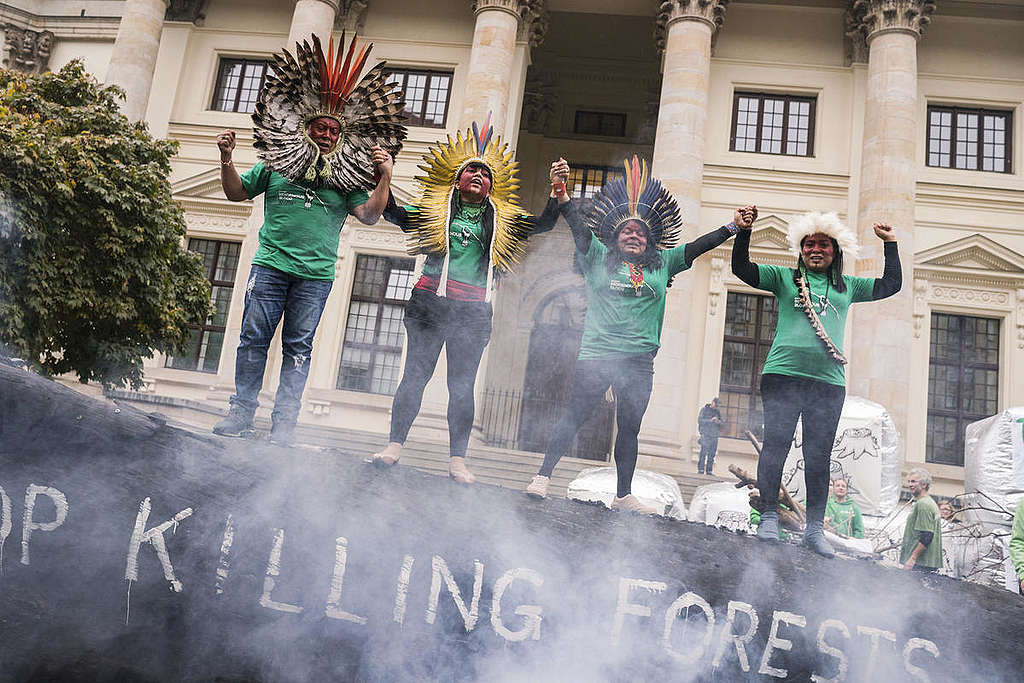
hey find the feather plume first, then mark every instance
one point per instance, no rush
(309, 85)
(638, 197)
(441, 166)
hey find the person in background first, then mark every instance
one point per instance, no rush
(921, 549)
(709, 424)
(842, 515)
(1017, 545)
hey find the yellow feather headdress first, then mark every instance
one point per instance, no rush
(443, 163)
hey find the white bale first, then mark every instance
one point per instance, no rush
(994, 467)
(660, 491)
(721, 505)
(867, 452)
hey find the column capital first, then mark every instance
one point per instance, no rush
(533, 25)
(351, 15)
(187, 10)
(854, 41)
(513, 7)
(531, 14)
(333, 4)
(874, 17)
(710, 12)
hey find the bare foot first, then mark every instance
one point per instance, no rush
(389, 456)
(457, 471)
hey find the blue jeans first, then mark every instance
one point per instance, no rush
(270, 294)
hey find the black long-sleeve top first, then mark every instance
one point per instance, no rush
(885, 286)
(796, 350)
(582, 236)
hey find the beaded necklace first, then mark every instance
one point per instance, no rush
(471, 213)
(636, 276)
(812, 315)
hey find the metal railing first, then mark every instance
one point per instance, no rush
(508, 420)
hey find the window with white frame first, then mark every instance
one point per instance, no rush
(206, 341)
(239, 82)
(749, 330)
(427, 95)
(970, 139)
(371, 354)
(768, 123)
(963, 381)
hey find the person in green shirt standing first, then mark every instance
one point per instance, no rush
(842, 514)
(471, 228)
(627, 248)
(1017, 544)
(803, 376)
(921, 549)
(315, 167)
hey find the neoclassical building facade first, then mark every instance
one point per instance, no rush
(903, 111)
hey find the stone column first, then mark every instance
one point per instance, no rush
(880, 338)
(312, 16)
(133, 59)
(685, 30)
(491, 62)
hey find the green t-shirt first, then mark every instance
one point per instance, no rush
(797, 351)
(466, 248)
(1017, 541)
(844, 517)
(623, 318)
(301, 223)
(924, 517)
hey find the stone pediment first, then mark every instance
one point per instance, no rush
(974, 252)
(205, 185)
(770, 234)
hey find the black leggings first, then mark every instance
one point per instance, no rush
(463, 328)
(631, 379)
(785, 399)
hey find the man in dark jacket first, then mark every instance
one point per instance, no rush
(709, 424)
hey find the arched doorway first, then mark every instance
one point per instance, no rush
(554, 344)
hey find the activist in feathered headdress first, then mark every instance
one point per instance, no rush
(641, 198)
(469, 223)
(310, 86)
(628, 250)
(443, 167)
(803, 376)
(844, 241)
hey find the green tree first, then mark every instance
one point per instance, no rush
(93, 276)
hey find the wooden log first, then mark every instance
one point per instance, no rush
(138, 551)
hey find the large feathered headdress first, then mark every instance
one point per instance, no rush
(443, 163)
(310, 86)
(637, 197)
(829, 224)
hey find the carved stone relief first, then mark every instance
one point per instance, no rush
(872, 16)
(187, 10)
(1020, 318)
(717, 286)
(351, 15)
(27, 51)
(670, 11)
(539, 101)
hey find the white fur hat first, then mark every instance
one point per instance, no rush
(825, 223)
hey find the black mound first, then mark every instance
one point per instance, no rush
(336, 571)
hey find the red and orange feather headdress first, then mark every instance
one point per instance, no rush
(311, 85)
